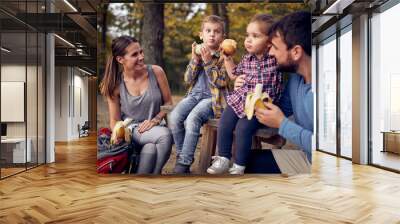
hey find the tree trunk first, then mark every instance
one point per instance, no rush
(221, 11)
(101, 49)
(215, 10)
(153, 33)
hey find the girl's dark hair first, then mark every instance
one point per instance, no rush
(112, 78)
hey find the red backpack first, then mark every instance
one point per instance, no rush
(113, 164)
(111, 158)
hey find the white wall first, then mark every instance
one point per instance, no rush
(50, 99)
(16, 72)
(34, 124)
(61, 103)
(80, 89)
(70, 83)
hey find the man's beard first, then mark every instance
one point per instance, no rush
(290, 66)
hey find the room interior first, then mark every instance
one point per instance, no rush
(48, 173)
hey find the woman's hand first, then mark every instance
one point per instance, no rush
(146, 125)
(239, 82)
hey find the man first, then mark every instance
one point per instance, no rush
(291, 45)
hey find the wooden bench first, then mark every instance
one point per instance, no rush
(209, 137)
(209, 140)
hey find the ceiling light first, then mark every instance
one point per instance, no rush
(84, 71)
(5, 50)
(70, 5)
(65, 41)
(333, 6)
(338, 6)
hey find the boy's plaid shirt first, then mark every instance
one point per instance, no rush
(217, 81)
(256, 71)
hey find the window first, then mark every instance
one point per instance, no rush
(22, 63)
(385, 85)
(346, 92)
(327, 95)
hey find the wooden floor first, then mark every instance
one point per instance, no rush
(70, 191)
(10, 171)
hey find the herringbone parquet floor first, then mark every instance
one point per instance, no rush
(70, 191)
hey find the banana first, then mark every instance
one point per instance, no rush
(128, 132)
(255, 99)
(121, 131)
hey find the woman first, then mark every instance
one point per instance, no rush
(137, 93)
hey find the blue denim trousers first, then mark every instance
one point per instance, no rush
(185, 122)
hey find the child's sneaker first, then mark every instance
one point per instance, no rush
(220, 165)
(237, 169)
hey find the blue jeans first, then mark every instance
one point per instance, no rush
(244, 130)
(185, 122)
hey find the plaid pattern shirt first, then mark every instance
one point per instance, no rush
(256, 71)
(217, 81)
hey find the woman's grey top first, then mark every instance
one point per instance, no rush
(142, 107)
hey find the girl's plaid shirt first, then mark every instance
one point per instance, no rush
(256, 70)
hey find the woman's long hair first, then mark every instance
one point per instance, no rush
(112, 78)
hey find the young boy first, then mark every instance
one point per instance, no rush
(207, 79)
(255, 67)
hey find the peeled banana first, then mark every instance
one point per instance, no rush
(255, 99)
(121, 132)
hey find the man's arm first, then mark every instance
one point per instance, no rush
(273, 117)
(297, 134)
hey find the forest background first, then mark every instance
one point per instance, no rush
(166, 31)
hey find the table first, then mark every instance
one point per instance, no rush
(13, 150)
(391, 141)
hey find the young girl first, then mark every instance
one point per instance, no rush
(257, 66)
